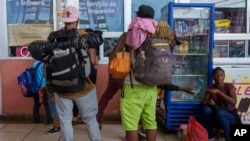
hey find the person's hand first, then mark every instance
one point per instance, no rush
(212, 91)
(211, 102)
(189, 90)
(162, 93)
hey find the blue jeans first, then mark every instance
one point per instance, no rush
(88, 108)
(217, 118)
(52, 108)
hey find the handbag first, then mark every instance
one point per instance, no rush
(119, 66)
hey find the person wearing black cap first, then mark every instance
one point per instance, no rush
(138, 103)
(145, 11)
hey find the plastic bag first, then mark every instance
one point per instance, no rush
(195, 131)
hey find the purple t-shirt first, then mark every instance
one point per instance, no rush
(226, 89)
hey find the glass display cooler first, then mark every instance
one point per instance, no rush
(193, 24)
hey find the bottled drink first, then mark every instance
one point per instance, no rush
(197, 44)
(141, 57)
(191, 45)
(176, 26)
(180, 26)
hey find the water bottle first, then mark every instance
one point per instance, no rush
(191, 45)
(196, 45)
(141, 57)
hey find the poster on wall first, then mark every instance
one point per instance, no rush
(29, 11)
(104, 15)
(160, 7)
(240, 77)
(28, 20)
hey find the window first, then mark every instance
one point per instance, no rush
(230, 15)
(230, 49)
(230, 19)
(231, 30)
(107, 16)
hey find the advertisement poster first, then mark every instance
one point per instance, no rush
(241, 79)
(29, 11)
(28, 20)
(104, 15)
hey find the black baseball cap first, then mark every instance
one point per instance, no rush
(145, 11)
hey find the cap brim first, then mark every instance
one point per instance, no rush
(68, 20)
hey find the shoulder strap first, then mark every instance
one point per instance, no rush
(121, 42)
(119, 46)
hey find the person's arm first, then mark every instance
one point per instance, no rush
(92, 56)
(188, 90)
(227, 98)
(171, 87)
(206, 99)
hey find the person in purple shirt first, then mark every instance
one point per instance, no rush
(219, 105)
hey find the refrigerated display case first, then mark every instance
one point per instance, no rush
(193, 24)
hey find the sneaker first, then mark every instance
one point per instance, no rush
(53, 130)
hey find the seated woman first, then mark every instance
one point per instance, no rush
(219, 105)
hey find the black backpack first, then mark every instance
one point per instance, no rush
(67, 65)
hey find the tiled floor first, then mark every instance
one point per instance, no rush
(36, 132)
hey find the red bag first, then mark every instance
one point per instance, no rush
(195, 131)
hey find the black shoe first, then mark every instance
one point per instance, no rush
(53, 130)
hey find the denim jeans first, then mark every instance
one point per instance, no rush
(217, 118)
(52, 108)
